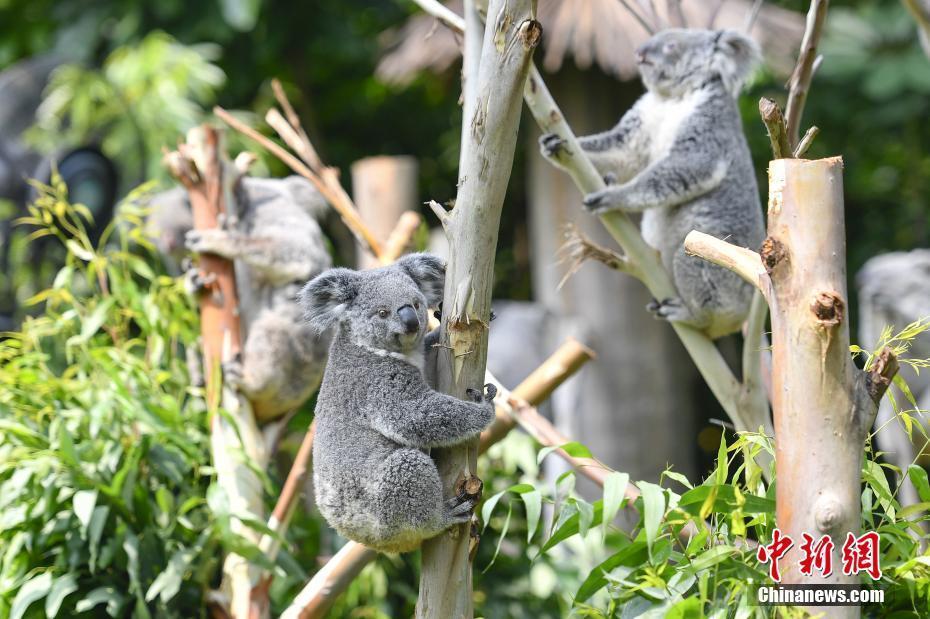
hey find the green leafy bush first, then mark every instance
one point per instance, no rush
(103, 445)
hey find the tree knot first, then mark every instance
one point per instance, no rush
(829, 309)
(772, 252)
(530, 33)
(828, 513)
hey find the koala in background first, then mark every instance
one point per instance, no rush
(680, 158)
(376, 417)
(277, 245)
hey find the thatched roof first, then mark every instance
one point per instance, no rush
(601, 32)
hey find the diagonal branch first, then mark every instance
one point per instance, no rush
(644, 259)
(324, 180)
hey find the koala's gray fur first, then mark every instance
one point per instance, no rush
(894, 291)
(277, 245)
(376, 417)
(679, 156)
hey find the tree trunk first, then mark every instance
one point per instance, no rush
(638, 401)
(823, 406)
(488, 142)
(383, 189)
(821, 418)
(201, 166)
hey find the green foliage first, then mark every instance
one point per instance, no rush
(655, 571)
(141, 99)
(103, 446)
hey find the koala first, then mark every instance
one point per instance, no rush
(376, 416)
(277, 245)
(680, 158)
(894, 291)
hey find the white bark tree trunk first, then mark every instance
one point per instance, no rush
(489, 140)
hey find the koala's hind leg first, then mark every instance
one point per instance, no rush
(711, 298)
(408, 500)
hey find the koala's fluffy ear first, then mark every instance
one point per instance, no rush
(735, 56)
(325, 298)
(429, 273)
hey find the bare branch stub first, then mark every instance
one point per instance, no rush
(774, 122)
(806, 142)
(880, 374)
(773, 253)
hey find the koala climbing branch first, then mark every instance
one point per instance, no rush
(641, 258)
(326, 585)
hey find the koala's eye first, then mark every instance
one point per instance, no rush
(669, 48)
(383, 313)
(416, 304)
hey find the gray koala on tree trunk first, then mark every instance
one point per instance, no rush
(277, 245)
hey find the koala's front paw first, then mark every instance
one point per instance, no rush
(672, 309)
(601, 201)
(550, 145)
(210, 241)
(490, 392)
(196, 282)
(232, 372)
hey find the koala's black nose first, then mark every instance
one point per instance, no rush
(409, 317)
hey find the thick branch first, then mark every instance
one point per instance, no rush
(800, 81)
(200, 165)
(744, 262)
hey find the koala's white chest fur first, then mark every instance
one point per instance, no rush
(663, 118)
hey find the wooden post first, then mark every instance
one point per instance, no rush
(383, 188)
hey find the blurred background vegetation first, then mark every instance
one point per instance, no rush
(134, 75)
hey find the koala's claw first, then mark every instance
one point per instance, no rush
(551, 144)
(196, 281)
(672, 309)
(232, 371)
(598, 201)
(610, 178)
(490, 392)
(438, 312)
